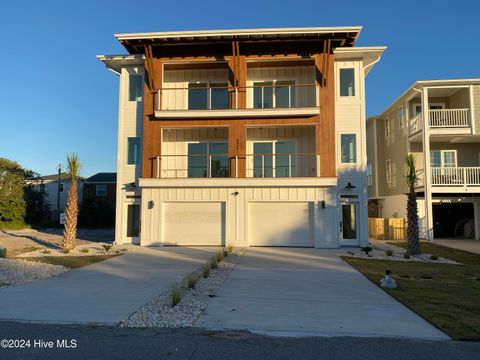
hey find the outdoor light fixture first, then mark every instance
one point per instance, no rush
(350, 186)
(323, 204)
(151, 204)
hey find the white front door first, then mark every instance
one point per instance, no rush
(349, 231)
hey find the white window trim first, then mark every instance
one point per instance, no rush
(356, 148)
(355, 85)
(388, 171)
(442, 162)
(387, 128)
(401, 114)
(127, 148)
(274, 84)
(103, 186)
(134, 72)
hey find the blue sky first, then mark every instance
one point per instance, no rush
(55, 97)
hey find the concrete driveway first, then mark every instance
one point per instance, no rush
(305, 292)
(105, 292)
(469, 245)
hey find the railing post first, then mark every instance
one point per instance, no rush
(289, 165)
(157, 170)
(236, 97)
(318, 165)
(209, 166)
(236, 166)
(263, 165)
(289, 96)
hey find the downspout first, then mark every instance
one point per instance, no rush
(365, 68)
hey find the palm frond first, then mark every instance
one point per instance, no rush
(411, 175)
(73, 166)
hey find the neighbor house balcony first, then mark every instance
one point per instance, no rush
(219, 100)
(442, 121)
(452, 179)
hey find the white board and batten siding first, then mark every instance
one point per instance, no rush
(130, 124)
(239, 216)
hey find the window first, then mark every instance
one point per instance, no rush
(274, 94)
(101, 190)
(198, 96)
(42, 188)
(401, 117)
(263, 95)
(219, 96)
(61, 187)
(347, 82)
(417, 109)
(134, 151)
(135, 87)
(388, 170)
(387, 128)
(369, 175)
(284, 94)
(274, 159)
(349, 148)
(443, 158)
(207, 160)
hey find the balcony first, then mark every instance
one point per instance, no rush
(258, 165)
(449, 118)
(268, 99)
(466, 177)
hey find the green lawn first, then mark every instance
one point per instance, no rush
(72, 262)
(446, 295)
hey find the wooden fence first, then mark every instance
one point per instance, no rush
(387, 229)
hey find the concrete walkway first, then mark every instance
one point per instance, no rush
(472, 246)
(105, 292)
(307, 292)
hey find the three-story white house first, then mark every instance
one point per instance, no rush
(251, 137)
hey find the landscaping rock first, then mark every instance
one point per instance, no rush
(16, 272)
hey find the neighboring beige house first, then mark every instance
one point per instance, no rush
(249, 137)
(449, 131)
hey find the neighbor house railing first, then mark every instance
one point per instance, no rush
(455, 176)
(224, 166)
(415, 124)
(228, 97)
(449, 118)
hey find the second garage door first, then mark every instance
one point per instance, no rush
(280, 224)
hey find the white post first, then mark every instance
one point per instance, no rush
(289, 96)
(209, 166)
(289, 165)
(236, 166)
(318, 165)
(157, 170)
(236, 97)
(263, 165)
(427, 166)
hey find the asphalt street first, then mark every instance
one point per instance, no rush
(102, 342)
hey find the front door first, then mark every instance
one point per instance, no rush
(132, 228)
(349, 232)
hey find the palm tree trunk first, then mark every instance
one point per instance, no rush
(71, 218)
(412, 227)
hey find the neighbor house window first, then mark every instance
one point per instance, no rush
(349, 148)
(388, 170)
(417, 109)
(134, 151)
(369, 175)
(387, 128)
(101, 190)
(135, 87)
(443, 158)
(347, 82)
(401, 117)
(42, 188)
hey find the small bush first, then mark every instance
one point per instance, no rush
(46, 251)
(192, 281)
(434, 257)
(214, 263)
(107, 247)
(406, 255)
(389, 252)
(225, 252)
(220, 256)
(206, 271)
(66, 251)
(176, 295)
(230, 249)
(366, 249)
(85, 251)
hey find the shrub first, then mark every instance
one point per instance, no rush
(66, 251)
(230, 249)
(214, 263)
(225, 252)
(85, 251)
(107, 247)
(220, 256)
(46, 251)
(406, 255)
(206, 271)
(192, 281)
(176, 295)
(389, 252)
(434, 257)
(366, 249)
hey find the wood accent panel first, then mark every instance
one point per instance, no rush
(325, 134)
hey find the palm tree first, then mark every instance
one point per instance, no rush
(411, 177)
(71, 216)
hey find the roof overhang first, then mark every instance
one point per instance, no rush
(116, 62)
(369, 54)
(347, 35)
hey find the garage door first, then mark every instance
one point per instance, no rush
(280, 224)
(194, 223)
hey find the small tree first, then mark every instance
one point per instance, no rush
(12, 205)
(411, 177)
(71, 213)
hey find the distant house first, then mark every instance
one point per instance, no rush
(101, 187)
(56, 188)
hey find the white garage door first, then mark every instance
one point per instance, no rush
(194, 223)
(280, 224)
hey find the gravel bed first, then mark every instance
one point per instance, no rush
(80, 250)
(379, 253)
(17, 272)
(160, 313)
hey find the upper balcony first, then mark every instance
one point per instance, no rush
(449, 113)
(210, 92)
